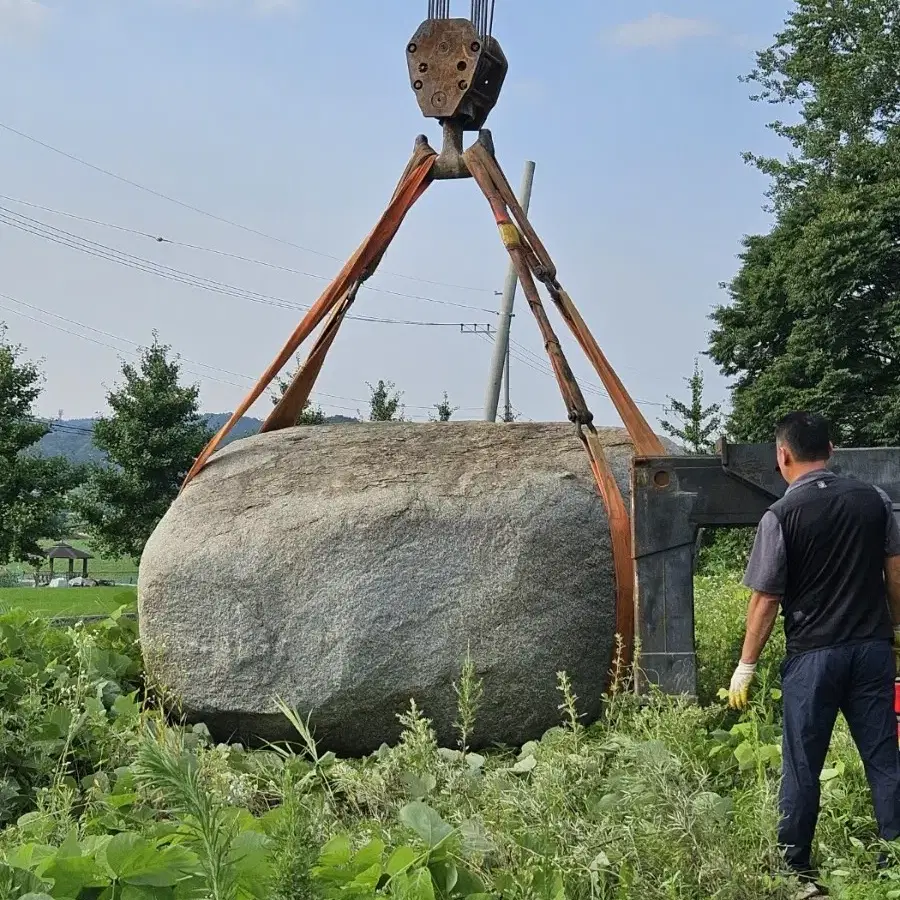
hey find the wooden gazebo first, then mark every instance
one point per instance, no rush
(64, 551)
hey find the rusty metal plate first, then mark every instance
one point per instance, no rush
(443, 58)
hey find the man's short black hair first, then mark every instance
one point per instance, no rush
(806, 435)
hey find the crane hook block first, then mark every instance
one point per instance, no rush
(455, 72)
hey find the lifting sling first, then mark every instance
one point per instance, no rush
(452, 38)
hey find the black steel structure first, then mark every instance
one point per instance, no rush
(675, 496)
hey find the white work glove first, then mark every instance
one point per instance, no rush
(739, 692)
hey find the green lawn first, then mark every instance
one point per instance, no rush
(120, 570)
(66, 601)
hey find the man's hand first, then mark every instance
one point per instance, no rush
(739, 692)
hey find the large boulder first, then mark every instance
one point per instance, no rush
(350, 569)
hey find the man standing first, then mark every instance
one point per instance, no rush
(828, 554)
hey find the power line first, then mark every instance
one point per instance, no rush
(61, 237)
(537, 364)
(159, 239)
(214, 216)
(194, 362)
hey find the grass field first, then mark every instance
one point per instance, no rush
(66, 601)
(120, 570)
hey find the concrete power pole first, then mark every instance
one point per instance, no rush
(500, 359)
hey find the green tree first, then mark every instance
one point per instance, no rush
(32, 489)
(698, 424)
(443, 410)
(309, 415)
(385, 403)
(813, 311)
(151, 439)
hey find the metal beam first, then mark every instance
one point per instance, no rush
(672, 498)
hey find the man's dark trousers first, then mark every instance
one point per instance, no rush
(858, 680)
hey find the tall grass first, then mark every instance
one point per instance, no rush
(661, 799)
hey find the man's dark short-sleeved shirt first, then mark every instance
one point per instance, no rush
(822, 553)
(767, 567)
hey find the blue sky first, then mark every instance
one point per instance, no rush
(296, 118)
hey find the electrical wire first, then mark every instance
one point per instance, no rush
(158, 239)
(216, 218)
(186, 359)
(73, 241)
(536, 363)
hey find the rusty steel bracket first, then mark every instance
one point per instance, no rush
(673, 497)
(455, 72)
(451, 163)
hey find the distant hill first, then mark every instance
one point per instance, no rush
(72, 438)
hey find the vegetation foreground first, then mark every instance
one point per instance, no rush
(63, 602)
(101, 797)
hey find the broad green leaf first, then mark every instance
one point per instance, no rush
(418, 786)
(369, 855)
(415, 885)
(745, 756)
(134, 860)
(474, 838)
(468, 884)
(367, 880)
(524, 766)
(425, 822)
(475, 762)
(32, 896)
(336, 852)
(444, 876)
(71, 874)
(22, 881)
(144, 892)
(70, 846)
(251, 859)
(402, 858)
(27, 856)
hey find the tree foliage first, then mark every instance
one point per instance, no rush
(385, 402)
(310, 414)
(443, 411)
(32, 489)
(151, 438)
(813, 318)
(698, 425)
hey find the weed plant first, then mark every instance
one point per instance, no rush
(662, 799)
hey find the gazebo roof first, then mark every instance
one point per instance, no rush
(64, 551)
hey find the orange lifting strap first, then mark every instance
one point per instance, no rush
(533, 264)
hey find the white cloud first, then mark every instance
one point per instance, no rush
(661, 30)
(21, 18)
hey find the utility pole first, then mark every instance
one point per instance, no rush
(500, 359)
(507, 406)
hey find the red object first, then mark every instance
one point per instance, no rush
(897, 705)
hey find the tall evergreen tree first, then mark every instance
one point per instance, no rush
(32, 489)
(699, 424)
(153, 435)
